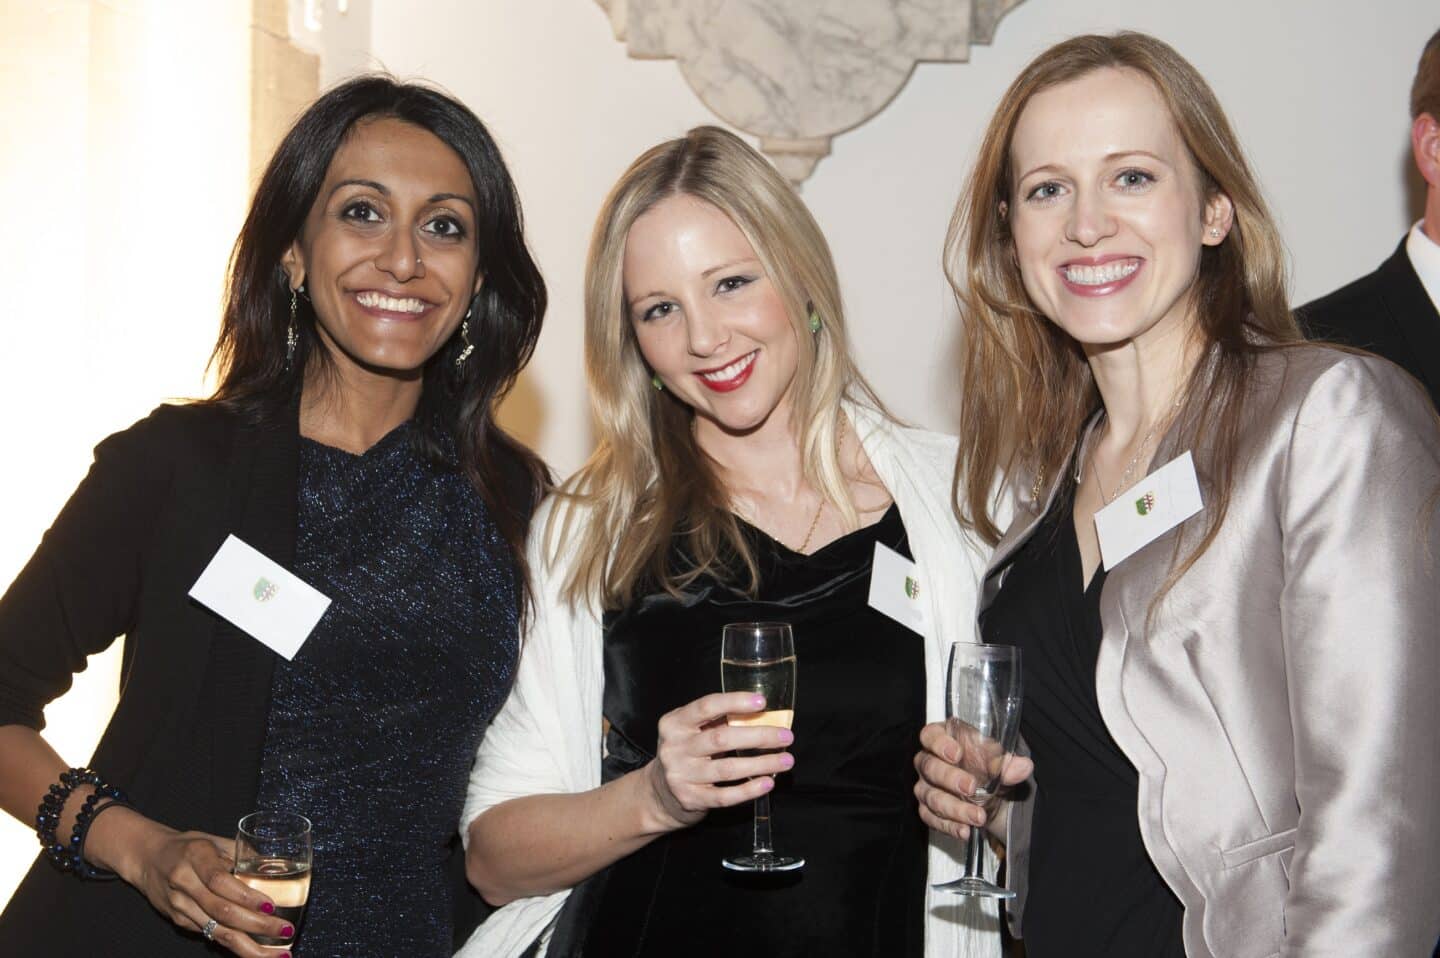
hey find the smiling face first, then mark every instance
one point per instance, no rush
(707, 318)
(1108, 213)
(387, 252)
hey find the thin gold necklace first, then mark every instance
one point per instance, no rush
(1128, 476)
(819, 508)
(813, 523)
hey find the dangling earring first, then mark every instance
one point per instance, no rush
(465, 338)
(291, 338)
(655, 381)
(814, 320)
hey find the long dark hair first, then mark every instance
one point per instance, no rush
(456, 403)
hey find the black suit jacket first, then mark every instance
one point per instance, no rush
(187, 734)
(1388, 313)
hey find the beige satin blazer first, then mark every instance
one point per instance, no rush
(1282, 706)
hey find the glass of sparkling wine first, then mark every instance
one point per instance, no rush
(273, 856)
(982, 713)
(760, 657)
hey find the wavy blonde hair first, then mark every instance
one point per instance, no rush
(648, 482)
(1027, 386)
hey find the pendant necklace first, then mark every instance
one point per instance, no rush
(1128, 476)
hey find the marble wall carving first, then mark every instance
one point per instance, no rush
(797, 72)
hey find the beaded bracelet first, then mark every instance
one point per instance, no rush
(72, 857)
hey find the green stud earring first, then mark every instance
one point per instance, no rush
(655, 381)
(814, 321)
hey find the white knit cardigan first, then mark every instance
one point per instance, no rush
(547, 737)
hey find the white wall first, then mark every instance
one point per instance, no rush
(124, 157)
(1318, 99)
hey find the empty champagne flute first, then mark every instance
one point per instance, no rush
(982, 713)
(760, 657)
(273, 855)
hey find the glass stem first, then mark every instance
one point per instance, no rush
(762, 845)
(975, 854)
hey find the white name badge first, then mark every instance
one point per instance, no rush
(1147, 510)
(260, 597)
(896, 590)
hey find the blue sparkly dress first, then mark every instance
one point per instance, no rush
(373, 726)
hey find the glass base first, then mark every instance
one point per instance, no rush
(975, 887)
(763, 862)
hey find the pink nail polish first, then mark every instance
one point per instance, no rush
(786, 736)
(788, 761)
(267, 908)
(758, 701)
(288, 931)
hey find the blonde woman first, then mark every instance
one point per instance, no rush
(744, 471)
(1257, 678)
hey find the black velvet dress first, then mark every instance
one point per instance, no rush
(1093, 889)
(847, 807)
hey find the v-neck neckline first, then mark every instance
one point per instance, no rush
(838, 541)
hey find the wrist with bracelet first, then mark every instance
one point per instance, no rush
(71, 857)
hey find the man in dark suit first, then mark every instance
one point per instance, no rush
(1395, 311)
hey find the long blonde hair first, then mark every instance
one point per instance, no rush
(648, 482)
(1027, 387)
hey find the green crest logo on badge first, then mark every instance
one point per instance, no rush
(264, 590)
(1145, 504)
(912, 587)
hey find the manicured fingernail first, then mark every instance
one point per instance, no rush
(786, 736)
(267, 908)
(768, 783)
(284, 954)
(758, 701)
(288, 931)
(787, 760)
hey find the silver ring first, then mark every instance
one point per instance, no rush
(209, 930)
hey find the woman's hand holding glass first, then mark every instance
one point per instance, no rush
(946, 789)
(695, 770)
(982, 708)
(186, 876)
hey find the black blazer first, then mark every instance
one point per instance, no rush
(1388, 313)
(186, 737)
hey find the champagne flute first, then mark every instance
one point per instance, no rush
(273, 855)
(982, 713)
(760, 657)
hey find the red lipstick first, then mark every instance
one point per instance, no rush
(735, 381)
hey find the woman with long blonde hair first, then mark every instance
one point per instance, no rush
(1221, 565)
(744, 471)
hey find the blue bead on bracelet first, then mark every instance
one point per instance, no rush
(71, 857)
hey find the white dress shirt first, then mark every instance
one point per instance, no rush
(1424, 255)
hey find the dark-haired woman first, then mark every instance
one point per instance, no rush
(381, 301)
